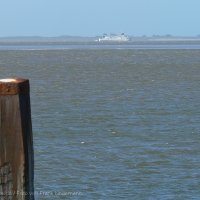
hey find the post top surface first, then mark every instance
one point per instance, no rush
(6, 80)
(12, 80)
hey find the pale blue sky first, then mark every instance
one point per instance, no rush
(95, 17)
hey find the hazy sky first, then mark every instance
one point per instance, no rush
(95, 17)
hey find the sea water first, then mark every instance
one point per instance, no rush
(113, 123)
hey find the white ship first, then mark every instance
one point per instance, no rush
(113, 38)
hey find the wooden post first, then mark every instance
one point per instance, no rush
(16, 144)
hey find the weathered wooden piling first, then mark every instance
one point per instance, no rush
(16, 143)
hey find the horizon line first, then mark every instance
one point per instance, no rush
(60, 36)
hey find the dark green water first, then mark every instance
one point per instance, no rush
(113, 124)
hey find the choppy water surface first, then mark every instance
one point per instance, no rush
(113, 124)
(95, 46)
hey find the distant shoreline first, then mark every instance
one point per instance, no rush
(92, 40)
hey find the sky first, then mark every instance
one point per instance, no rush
(94, 17)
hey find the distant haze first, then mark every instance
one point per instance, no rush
(95, 17)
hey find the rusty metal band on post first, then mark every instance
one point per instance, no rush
(14, 86)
